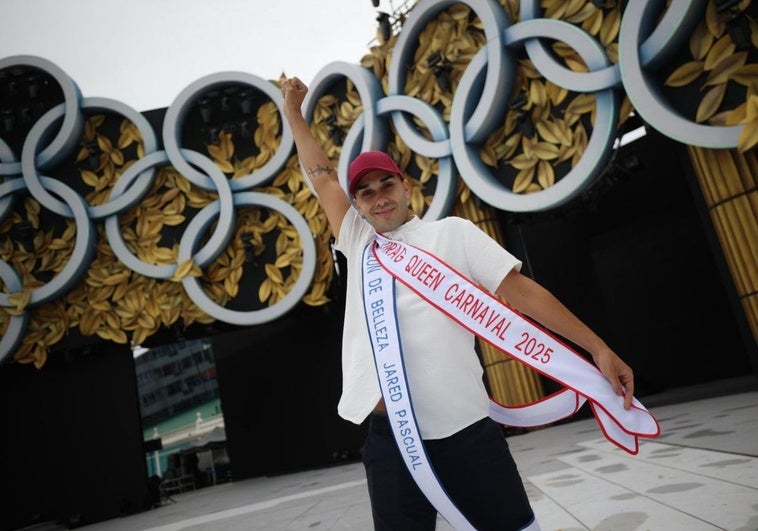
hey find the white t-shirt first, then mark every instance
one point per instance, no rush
(443, 371)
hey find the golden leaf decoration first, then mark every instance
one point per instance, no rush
(594, 23)
(723, 48)
(89, 178)
(587, 11)
(119, 336)
(555, 93)
(748, 137)
(545, 174)
(685, 74)
(226, 144)
(611, 25)
(125, 139)
(537, 93)
(217, 152)
(183, 270)
(465, 194)
(582, 104)
(725, 68)
(488, 156)
(573, 7)
(746, 75)
(523, 180)
(506, 149)
(545, 151)
(117, 278)
(274, 273)
(576, 64)
(715, 23)
(710, 103)
(701, 41)
(231, 287)
(20, 300)
(751, 108)
(555, 9)
(522, 162)
(117, 157)
(104, 144)
(264, 290)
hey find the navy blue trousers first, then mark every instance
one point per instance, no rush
(474, 465)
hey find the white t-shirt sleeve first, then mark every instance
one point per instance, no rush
(487, 260)
(352, 231)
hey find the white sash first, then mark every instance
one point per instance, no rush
(513, 334)
(482, 314)
(379, 305)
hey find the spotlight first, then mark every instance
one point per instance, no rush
(229, 128)
(440, 73)
(204, 104)
(385, 28)
(213, 135)
(375, 3)
(434, 59)
(14, 84)
(226, 99)
(26, 115)
(441, 70)
(524, 121)
(23, 234)
(32, 86)
(517, 102)
(334, 130)
(246, 101)
(738, 28)
(526, 125)
(336, 136)
(93, 159)
(724, 5)
(7, 119)
(179, 328)
(247, 238)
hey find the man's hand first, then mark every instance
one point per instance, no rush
(317, 167)
(533, 300)
(293, 91)
(619, 374)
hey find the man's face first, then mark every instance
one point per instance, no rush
(382, 198)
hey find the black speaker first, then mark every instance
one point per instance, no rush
(152, 445)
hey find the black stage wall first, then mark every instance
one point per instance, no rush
(635, 263)
(280, 383)
(71, 446)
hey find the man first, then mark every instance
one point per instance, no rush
(467, 449)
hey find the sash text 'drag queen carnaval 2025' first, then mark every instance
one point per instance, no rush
(511, 333)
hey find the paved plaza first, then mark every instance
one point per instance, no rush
(701, 474)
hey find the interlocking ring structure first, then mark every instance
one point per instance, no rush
(647, 37)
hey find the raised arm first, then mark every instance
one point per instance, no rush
(319, 169)
(533, 300)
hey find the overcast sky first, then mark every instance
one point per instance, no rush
(144, 52)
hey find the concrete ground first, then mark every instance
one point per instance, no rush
(701, 474)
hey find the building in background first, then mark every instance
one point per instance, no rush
(180, 408)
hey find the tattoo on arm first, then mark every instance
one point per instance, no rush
(313, 172)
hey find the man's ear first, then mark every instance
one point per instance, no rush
(407, 186)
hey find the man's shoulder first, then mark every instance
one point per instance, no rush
(450, 222)
(447, 220)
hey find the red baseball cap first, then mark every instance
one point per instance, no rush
(366, 162)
